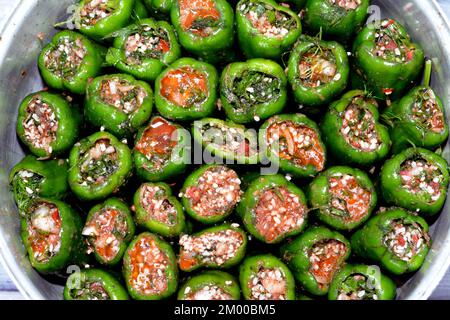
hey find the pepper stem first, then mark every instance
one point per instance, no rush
(427, 73)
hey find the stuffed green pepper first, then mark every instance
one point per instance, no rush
(210, 285)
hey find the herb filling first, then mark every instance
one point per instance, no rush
(146, 43)
(199, 17)
(122, 95)
(154, 201)
(208, 292)
(90, 290)
(99, 163)
(318, 67)
(94, 11)
(65, 58)
(357, 287)
(26, 186)
(390, 45)
(427, 113)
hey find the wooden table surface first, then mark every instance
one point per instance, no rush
(8, 290)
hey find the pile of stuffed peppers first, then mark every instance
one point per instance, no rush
(226, 150)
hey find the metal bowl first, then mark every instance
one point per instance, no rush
(19, 76)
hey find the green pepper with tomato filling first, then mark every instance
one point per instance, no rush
(69, 61)
(94, 284)
(272, 209)
(205, 28)
(266, 29)
(318, 71)
(98, 166)
(315, 257)
(135, 50)
(265, 277)
(186, 90)
(342, 197)
(396, 239)
(157, 210)
(160, 151)
(352, 132)
(293, 142)
(47, 124)
(386, 59)
(253, 90)
(108, 229)
(119, 103)
(415, 179)
(210, 285)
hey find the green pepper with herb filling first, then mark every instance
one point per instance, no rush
(210, 285)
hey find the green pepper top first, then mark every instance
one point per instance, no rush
(272, 208)
(386, 58)
(159, 8)
(94, 284)
(69, 60)
(119, 103)
(315, 257)
(210, 285)
(266, 29)
(99, 165)
(416, 179)
(352, 131)
(265, 277)
(396, 239)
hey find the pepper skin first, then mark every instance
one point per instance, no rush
(225, 282)
(205, 28)
(99, 218)
(186, 90)
(386, 73)
(418, 119)
(376, 286)
(121, 119)
(286, 28)
(149, 64)
(318, 71)
(140, 11)
(335, 21)
(160, 198)
(226, 140)
(398, 183)
(94, 284)
(159, 152)
(251, 266)
(356, 192)
(74, 77)
(370, 241)
(360, 151)
(63, 116)
(261, 192)
(159, 8)
(297, 256)
(111, 169)
(253, 90)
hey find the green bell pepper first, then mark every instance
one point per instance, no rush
(135, 52)
(253, 90)
(272, 209)
(338, 20)
(266, 29)
(386, 59)
(293, 141)
(119, 103)
(32, 178)
(99, 165)
(415, 179)
(149, 268)
(100, 18)
(187, 90)
(210, 193)
(210, 285)
(396, 239)
(361, 282)
(47, 124)
(94, 284)
(318, 71)
(159, 152)
(108, 229)
(159, 8)
(342, 197)
(265, 277)
(219, 247)
(205, 28)
(69, 60)
(352, 132)
(140, 11)
(315, 257)
(157, 210)
(51, 233)
(226, 140)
